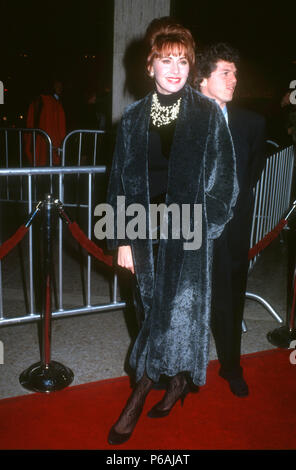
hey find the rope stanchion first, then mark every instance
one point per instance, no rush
(9, 244)
(283, 336)
(46, 375)
(82, 239)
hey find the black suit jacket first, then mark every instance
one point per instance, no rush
(248, 133)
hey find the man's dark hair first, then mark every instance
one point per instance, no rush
(206, 60)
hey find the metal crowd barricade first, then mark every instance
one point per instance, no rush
(12, 151)
(272, 201)
(83, 147)
(272, 194)
(60, 173)
(80, 147)
(13, 155)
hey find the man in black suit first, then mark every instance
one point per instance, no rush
(217, 69)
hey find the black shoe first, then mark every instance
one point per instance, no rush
(238, 386)
(115, 438)
(131, 412)
(157, 412)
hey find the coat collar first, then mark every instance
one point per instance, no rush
(186, 143)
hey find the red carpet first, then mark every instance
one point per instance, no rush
(79, 417)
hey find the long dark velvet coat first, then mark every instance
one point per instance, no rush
(175, 333)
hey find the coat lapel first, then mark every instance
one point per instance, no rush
(135, 172)
(135, 182)
(186, 154)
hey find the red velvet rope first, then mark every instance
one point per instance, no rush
(89, 245)
(93, 249)
(96, 251)
(7, 246)
(267, 239)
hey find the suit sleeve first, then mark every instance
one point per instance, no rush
(221, 186)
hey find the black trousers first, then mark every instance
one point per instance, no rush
(229, 281)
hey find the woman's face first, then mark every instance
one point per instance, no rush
(170, 73)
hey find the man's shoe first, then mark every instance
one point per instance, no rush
(238, 386)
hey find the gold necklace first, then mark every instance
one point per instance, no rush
(163, 115)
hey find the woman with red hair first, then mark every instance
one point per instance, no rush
(173, 147)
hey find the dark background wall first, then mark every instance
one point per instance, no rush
(74, 41)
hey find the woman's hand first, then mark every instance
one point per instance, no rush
(125, 258)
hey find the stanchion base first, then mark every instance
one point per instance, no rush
(281, 337)
(51, 378)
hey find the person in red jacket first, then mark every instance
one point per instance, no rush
(46, 113)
